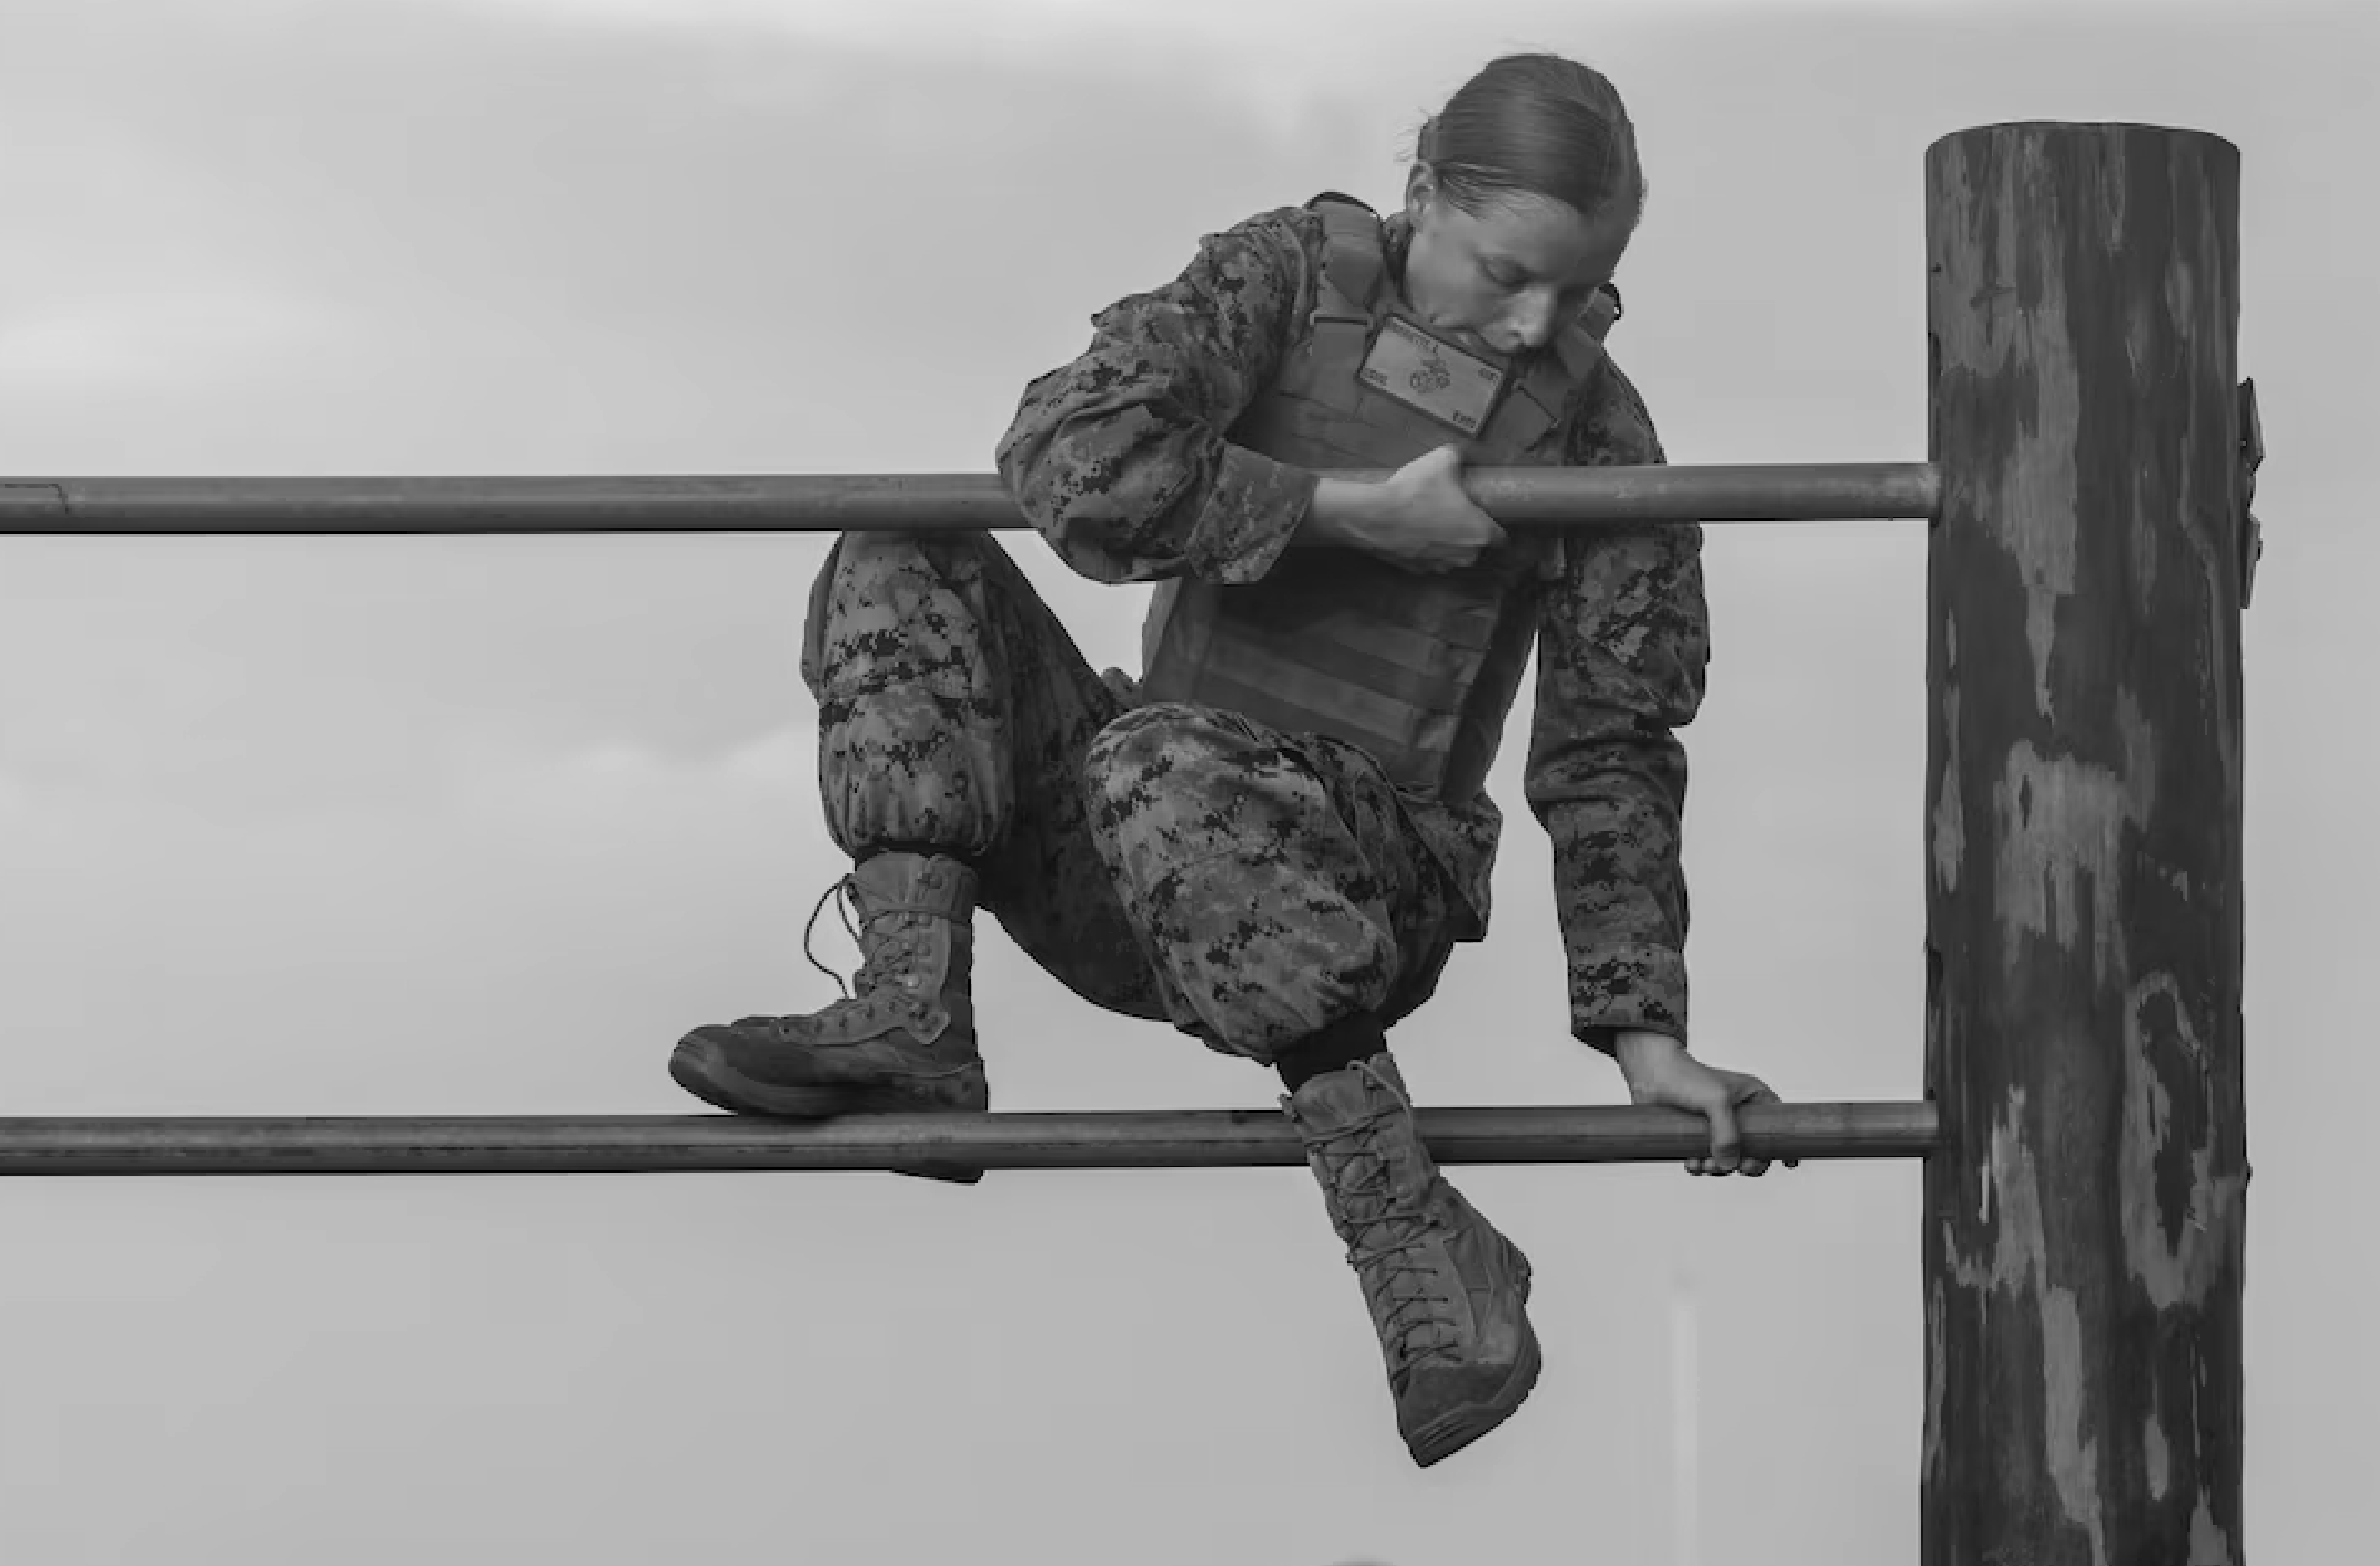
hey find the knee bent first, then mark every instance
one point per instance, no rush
(1148, 742)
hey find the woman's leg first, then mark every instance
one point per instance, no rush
(1291, 912)
(1275, 879)
(953, 712)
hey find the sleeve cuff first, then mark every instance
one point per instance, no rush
(1636, 987)
(1253, 510)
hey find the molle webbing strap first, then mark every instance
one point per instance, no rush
(1353, 262)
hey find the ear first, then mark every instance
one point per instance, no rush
(1421, 189)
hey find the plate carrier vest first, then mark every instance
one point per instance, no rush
(1419, 670)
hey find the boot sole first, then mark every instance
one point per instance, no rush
(701, 1073)
(1458, 1427)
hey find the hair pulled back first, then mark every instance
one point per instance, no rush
(1535, 125)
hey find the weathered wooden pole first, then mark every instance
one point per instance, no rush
(2084, 1216)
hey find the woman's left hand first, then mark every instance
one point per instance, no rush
(1659, 1071)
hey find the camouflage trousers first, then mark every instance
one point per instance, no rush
(1165, 861)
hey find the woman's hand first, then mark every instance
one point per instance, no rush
(1660, 1072)
(1419, 518)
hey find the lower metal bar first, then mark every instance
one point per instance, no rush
(890, 501)
(1162, 1139)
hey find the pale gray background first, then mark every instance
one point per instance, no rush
(412, 827)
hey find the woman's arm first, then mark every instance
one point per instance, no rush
(1620, 666)
(1121, 459)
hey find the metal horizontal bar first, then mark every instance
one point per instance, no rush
(888, 502)
(1165, 1139)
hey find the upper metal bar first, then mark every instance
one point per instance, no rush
(889, 502)
(1191, 1139)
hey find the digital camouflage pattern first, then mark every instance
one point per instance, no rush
(955, 713)
(1122, 460)
(1163, 861)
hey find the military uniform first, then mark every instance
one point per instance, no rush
(1168, 853)
(955, 711)
(1163, 861)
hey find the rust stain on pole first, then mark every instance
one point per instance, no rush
(2085, 1217)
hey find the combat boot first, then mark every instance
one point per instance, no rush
(904, 1040)
(1446, 1292)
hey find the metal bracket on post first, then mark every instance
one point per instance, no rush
(2251, 457)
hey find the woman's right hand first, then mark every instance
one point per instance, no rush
(1419, 518)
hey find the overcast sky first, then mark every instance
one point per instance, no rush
(425, 826)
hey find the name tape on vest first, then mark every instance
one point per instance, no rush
(1436, 378)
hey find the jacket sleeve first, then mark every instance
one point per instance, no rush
(1621, 665)
(1119, 458)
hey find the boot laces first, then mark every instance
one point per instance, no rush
(1384, 1244)
(844, 893)
(876, 961)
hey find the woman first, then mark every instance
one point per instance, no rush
(1274, 840)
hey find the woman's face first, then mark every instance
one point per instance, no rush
(1514, 275)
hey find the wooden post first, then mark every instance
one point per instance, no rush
(2085, 1218)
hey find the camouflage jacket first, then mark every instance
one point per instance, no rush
(1122, 461)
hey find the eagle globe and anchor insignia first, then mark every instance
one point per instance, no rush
(1431, 375)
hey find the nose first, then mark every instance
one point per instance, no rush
(1529, 324)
